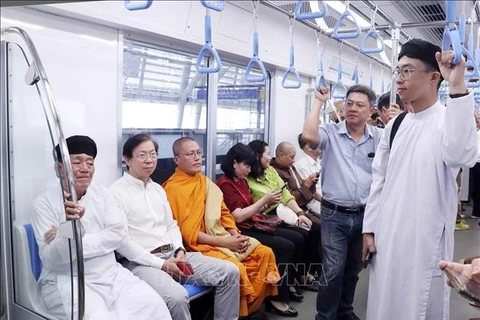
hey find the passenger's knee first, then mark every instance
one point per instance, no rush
(288, 247)
(231, 273)
(176, 296)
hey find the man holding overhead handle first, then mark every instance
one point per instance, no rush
(348, 150)
(410, 216)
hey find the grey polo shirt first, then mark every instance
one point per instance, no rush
(346, 165)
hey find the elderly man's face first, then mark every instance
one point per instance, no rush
(83, 168)
(287, 158)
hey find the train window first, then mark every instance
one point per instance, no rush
(241, 109)
(164, 96)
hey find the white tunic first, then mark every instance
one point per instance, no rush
(150, 220)
(412, 208)
(111, 291)
(305, 167)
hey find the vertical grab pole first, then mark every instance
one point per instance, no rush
(395, 42)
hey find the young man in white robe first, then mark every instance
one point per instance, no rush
(410, 215)
(111, 291)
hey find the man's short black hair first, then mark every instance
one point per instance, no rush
(301, 141)
(384, 101)
(360, 88)
(134, 142)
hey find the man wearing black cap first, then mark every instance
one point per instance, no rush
(410, 215)
(111, 291)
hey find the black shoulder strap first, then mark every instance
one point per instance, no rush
(396, 125)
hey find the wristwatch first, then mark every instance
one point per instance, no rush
(458, 95)
(178, 250)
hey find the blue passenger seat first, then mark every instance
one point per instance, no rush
(194, 291)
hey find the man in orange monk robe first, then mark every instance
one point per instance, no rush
(208, 227)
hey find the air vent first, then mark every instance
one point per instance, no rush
(424, 11)
(433, 12)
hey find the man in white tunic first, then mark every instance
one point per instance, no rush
(410, 215)
(307, 165)
(154, 246)
(111, 291)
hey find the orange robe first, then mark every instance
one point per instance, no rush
(187, 196)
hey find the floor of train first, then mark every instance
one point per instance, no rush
(466, 245)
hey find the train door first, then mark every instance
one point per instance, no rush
(29, 128)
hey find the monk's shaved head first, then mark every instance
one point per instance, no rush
(177, 145)
(283, 147)
(339, 105)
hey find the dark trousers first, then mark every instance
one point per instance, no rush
(310, 257)
(475, 176)
(285, 245)
(342, 242)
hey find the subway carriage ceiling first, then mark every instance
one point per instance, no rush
(145, 69)
(389, 12)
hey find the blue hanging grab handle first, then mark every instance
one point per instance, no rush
(339, 84)
(320, 81)
(451, 35)
(323, 9)
(472, 59)
(380, 44)
(476, 95)
(477, 57)
(461, 27)
(346, 35)
(471, 48)
(214, 5)
(138, 5)
(207, 47)
(355, 75)
(372, 32)
(291, 69)
(470, 63)
(253, 61)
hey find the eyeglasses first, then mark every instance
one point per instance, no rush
(144, 156)
(192, 154)
(406, 74)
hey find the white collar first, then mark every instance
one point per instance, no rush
(135, 181)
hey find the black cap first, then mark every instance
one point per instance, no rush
(421, 50)
(79, 145)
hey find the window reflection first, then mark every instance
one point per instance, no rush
(163, 95)
(160, 97)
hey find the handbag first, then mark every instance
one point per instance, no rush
(272, 221)
(263, 223)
